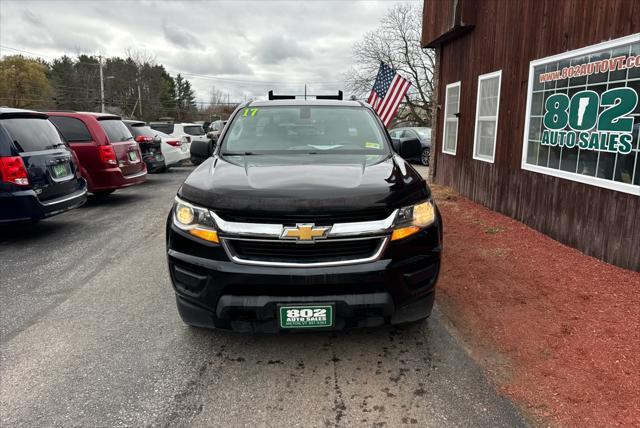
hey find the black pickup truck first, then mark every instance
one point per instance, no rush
(304, 218)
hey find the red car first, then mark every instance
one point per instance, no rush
(109, 157)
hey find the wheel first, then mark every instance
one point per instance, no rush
(424, 157)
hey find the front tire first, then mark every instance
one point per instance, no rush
(424, 157)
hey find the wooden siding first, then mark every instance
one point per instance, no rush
(437, 19)
(441, 17)
(507, 36)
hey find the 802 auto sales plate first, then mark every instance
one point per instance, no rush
(306, 316)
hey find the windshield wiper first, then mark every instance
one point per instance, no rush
(240, 154)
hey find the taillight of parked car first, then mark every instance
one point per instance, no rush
(12, 170)
(107, 155)
(143, 139)
(174, 143)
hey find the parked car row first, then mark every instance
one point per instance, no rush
(49, 161)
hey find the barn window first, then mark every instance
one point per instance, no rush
(451, 110)
(484, 144)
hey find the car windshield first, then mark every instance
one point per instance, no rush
(304, 129)
(116, 130)
(32, 134)
(193, 130)
(424, 132)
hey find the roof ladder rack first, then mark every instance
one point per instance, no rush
(280, 97)
(330, 97)
(272, 96)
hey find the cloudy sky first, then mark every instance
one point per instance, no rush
(240, 47)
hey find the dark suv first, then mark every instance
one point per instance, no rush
(305, 217)
(39, 174)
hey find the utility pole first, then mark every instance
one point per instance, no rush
(140, 99)
(305, 91)
(101, 86)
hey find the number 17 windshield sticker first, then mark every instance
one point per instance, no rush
(249, 112)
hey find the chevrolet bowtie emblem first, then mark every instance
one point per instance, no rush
(305, 232)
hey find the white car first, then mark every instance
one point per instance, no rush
(174, 149)
(191, 131)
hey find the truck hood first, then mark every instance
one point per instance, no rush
(304, 184)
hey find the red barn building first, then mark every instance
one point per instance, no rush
(538, 112)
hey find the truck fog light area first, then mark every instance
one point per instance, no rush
(206, 234)
(404, 232)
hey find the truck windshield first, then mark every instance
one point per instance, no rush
(304, 129)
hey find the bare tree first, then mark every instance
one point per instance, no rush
(140, 57)
(216, 96)
(396, 42)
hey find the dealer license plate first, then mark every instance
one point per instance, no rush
(306, 316)
(60, 170)
(133, 156)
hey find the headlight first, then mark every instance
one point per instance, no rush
(411, 220)
(195, 220)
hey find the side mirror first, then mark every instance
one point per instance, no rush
(201, 149)
(410, 148)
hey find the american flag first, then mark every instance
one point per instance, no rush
(387, 92)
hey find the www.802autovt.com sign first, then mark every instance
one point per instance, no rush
(583, 115)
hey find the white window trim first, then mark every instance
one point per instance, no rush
(480, 118)
(633, 189)
(444, 122)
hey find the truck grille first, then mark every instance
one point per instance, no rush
(318, 219)
(324, 251)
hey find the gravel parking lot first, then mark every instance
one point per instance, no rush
(90, 336)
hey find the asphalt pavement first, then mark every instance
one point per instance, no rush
(90, 336)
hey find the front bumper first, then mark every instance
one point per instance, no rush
(24, 205)
(212, 291)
